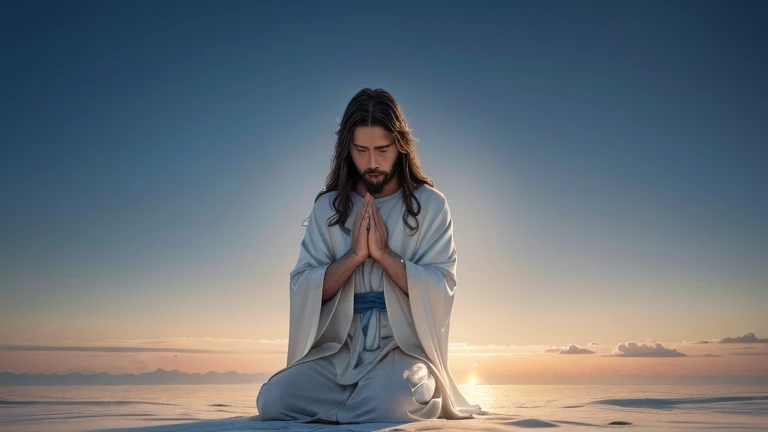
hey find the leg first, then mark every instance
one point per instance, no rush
(301, 392)
(384, 396)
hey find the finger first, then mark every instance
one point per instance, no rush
(366, 225)
(380, 220)
(360, 213)
(374, 225)
(378, 215)
(360, 219)
(369, 222)
(374, 211)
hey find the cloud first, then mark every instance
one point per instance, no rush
(553, 350)
(745, 338)
(749, 353)
(632, 349)
(574, 349)
(592, 343)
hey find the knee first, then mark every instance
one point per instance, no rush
(390, 409)
(387, 399)
(269, 402)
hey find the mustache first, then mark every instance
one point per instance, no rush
(374, 172)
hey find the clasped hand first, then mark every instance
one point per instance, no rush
(370, 237)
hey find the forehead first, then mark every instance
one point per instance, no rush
(371, 136)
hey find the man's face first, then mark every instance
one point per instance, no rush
(374, 153)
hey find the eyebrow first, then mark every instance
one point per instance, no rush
(375, 148)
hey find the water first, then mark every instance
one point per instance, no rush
(228, 407)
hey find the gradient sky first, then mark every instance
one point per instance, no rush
(605, 163)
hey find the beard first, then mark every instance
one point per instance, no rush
(375, 187)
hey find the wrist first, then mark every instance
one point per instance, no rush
(356, 259)
(378, 256)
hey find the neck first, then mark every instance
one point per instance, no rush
(391, 188)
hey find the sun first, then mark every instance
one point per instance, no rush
(473, 382)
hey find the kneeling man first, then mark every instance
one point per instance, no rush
(372, 291)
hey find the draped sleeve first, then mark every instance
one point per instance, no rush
(431, 275)
(308, 316)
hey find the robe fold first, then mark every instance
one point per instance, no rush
(418, 323)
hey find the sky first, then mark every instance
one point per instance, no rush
(604, 164)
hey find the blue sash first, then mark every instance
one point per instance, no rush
(366, 303)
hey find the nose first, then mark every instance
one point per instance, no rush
(372, 161)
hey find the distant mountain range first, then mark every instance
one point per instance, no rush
(158, 377)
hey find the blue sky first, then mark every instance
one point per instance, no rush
(604, 162)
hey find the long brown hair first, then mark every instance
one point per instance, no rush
(374, 108)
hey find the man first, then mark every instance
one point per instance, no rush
(372, 291)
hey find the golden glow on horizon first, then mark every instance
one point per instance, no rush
(473, 367)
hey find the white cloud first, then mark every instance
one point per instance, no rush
(631, 349)
(574, 349)
(745, 338)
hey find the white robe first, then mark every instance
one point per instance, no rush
(419, 322)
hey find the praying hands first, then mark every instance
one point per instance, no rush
(377, 231)
(369, 233)
(370, 239)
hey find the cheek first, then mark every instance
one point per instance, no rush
(356, 159)
(391, 159)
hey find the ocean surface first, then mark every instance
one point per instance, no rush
(208, 408)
